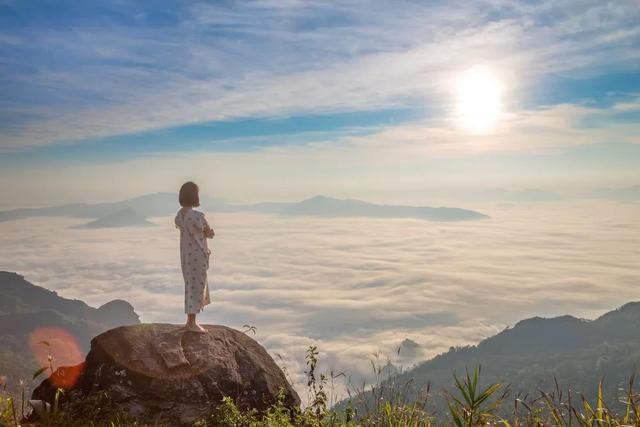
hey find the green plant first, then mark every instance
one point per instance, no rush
(473, 407)
(227, 414)
(396, 405)
(317, 395)
(49, 365)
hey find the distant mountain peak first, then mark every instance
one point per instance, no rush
(136, 211)
(627, 313)
(117, 310)
(9, 274)
(630, 306)
(537, 321)
(319, 197)
(115, 303)
(126, 217)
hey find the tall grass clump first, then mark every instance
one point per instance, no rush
(385, 403)
(471, 405)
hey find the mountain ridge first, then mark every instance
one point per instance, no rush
(535, 352)
(136, 211)
(30, 314)
(126, 217)
(38, 298)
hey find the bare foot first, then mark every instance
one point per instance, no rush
(195, 328)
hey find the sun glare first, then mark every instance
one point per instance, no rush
(55, 347)
(478, 93)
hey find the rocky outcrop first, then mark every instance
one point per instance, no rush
(157, 373)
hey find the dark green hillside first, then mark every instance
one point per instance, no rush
(25, 308)
(527, 357)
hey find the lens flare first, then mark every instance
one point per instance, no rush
(56, 347)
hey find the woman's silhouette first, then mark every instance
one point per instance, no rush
(194, 254)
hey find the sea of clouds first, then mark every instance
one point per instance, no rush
(355, 287)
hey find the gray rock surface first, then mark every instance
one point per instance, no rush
(158, 373)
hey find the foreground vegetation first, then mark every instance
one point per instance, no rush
(384, 404)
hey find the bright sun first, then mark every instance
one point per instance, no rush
(479, 104)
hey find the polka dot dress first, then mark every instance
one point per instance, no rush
(194, 257)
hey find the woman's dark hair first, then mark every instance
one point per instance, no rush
(189, 195)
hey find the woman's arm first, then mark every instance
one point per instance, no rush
(208, 231)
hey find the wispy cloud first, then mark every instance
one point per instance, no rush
(264, 59)
(562, 148)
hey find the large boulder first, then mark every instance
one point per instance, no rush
(157, 373)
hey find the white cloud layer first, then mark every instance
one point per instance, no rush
(353, 286)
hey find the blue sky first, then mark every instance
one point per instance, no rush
(277, 99)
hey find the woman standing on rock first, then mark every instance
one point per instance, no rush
(194, 254)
